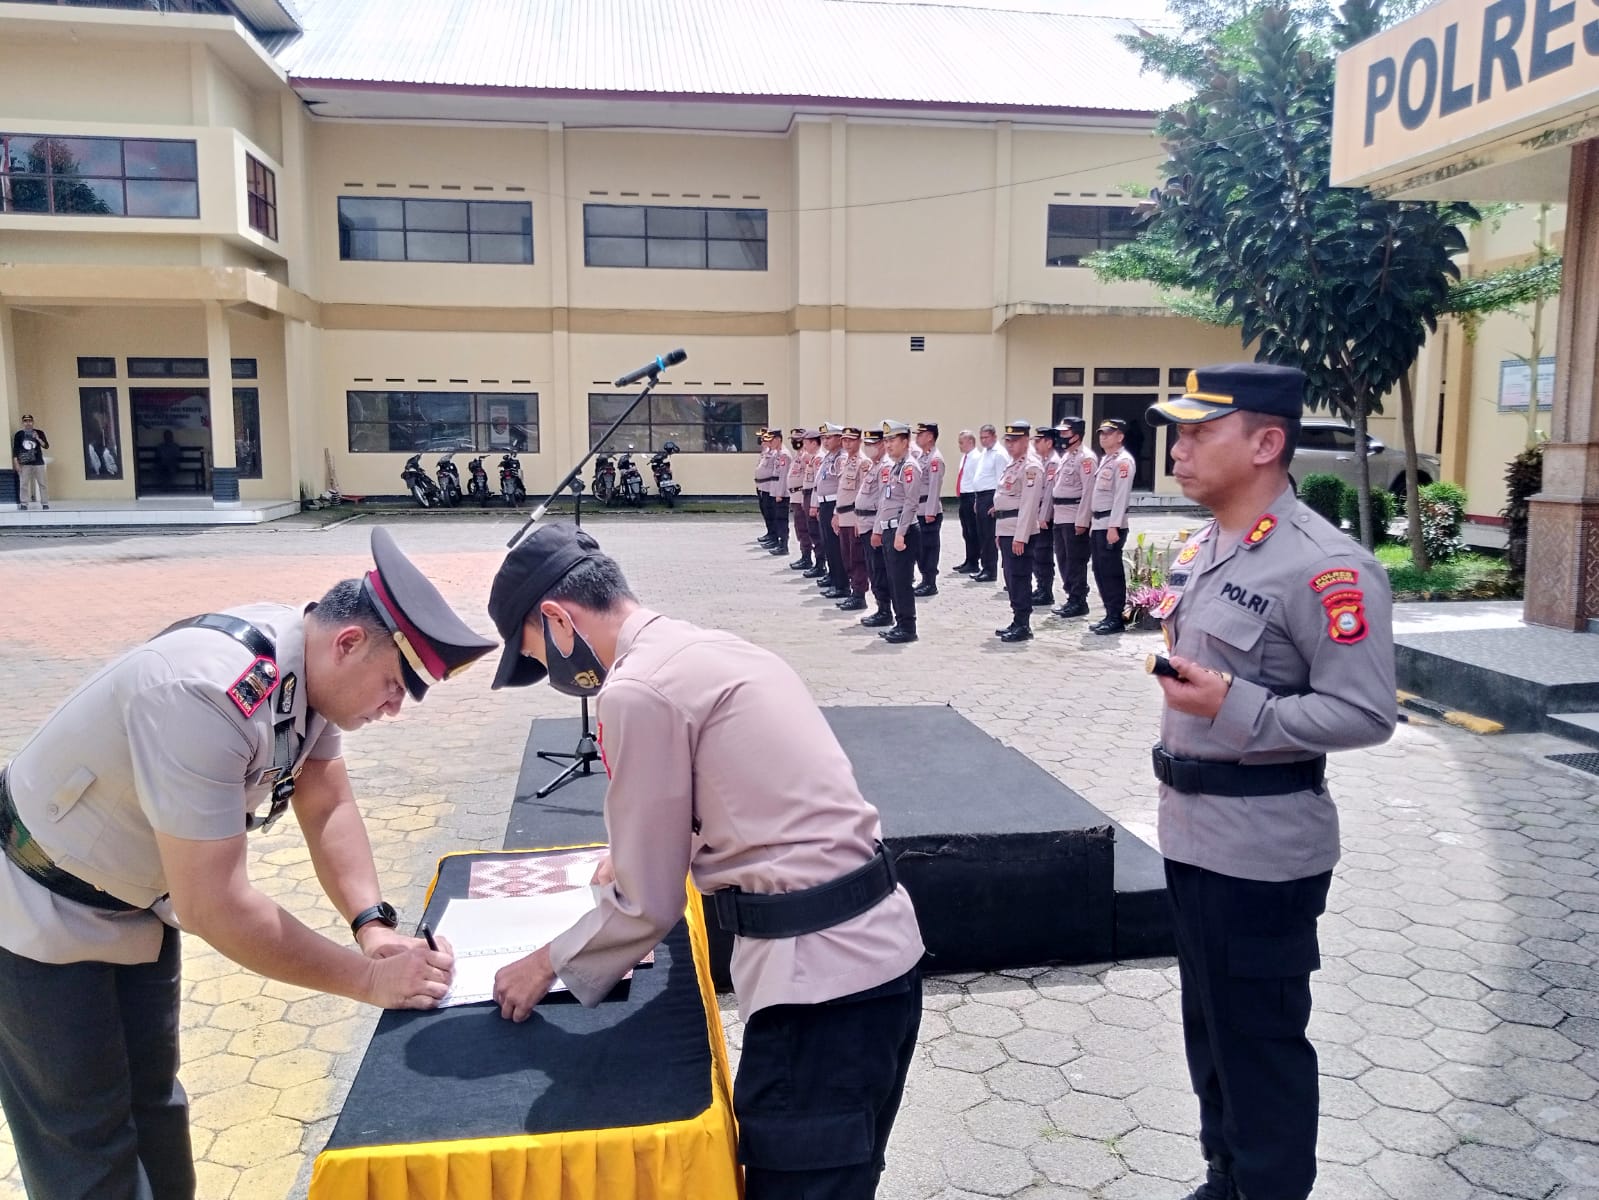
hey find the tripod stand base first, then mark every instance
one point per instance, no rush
(579, 762)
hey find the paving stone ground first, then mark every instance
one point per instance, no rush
(1457, 1010)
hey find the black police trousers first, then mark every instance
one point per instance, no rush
(1018, 570)
(817, 1091)
(1072, 551)
(901, 572)
(1042, 548)
(1110, 572)
(988, 551)
(969, 538)
(765, 501)
(832, 545)
(877, 572)
(89, 1077)
(932, 546)
(1245, 953)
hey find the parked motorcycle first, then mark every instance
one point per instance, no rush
(661, 467)
(477, 481)
(629, 483)
(423, 490)
(604, 485)
(511, 485)
(449, 480)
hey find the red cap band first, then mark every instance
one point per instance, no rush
(422, 647)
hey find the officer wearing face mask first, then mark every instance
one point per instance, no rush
(825, 940)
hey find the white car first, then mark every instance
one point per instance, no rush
(1327, 446)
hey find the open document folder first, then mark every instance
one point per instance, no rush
(492, 933)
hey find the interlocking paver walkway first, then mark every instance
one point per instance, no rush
(1457, 1011)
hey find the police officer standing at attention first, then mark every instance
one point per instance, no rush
(126, 814)
(825, 940)
(798, 500)
(867, 498)
(1072, 547)
(931, 506)
(1041, 546)
(989, 464)
(833, 583)
(1015, 511)
(763, 493)
(851, 547)
(813, 462)
(1281, 637)
(1113, 486)
(898, 529)
(782, 463)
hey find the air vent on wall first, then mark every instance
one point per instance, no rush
(918, 343)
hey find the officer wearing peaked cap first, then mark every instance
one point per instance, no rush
(1281, 637)
(126, 813)
(898, 529)
(1016, 508)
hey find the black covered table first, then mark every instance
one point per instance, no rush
(625, 1101)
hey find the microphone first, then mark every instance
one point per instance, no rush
(670, 359)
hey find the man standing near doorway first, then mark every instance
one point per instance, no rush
(27, 456)
(1113, 486)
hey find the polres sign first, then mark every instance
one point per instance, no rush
(1463, 85)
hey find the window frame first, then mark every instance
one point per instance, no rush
(652, 243)
(101, 181)
(655, 430)
(440, 229)
(261, 196)
(479, 421)
(1103, 236)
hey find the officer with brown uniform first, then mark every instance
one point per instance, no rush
(1113, 487)
(1282, 644)
(931, 506)
(898, 529)
(825, 940)
(851, 546)
(126, 813)
(1041, 546)
(1016, 502)
(1071, 518)
(782, 464)
(867, 498)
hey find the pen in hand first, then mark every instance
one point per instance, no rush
(427, 932)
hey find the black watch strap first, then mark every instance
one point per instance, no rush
(382, 912)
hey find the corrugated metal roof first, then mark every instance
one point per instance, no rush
(914, 53)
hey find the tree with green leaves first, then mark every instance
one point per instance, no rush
(1333, 281)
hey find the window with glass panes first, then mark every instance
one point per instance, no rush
(408, 422)
(261, 187)
(644, 235)
(1078, 230)
(698, 423)
(98, 176)
(380, 229)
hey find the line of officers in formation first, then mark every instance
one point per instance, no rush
(866, 508)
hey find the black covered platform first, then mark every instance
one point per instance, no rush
(1007, 866)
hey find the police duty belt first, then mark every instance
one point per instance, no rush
(810, 910)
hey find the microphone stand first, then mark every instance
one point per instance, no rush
(581, 760)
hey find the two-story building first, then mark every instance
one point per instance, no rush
(295, 238)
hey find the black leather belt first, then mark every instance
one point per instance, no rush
(790, 914)
(1106, 513)
(33, 862)
(1069, 499)
(1198, 777)
(1006, 512)
(845, 508)
(865, 512)
(237, 628)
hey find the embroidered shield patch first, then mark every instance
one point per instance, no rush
(250, 690)
(1346, 616)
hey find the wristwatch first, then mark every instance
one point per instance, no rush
(382, 912)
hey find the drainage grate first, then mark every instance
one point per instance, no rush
(1583, 762)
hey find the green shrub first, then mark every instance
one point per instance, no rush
(1384, 508)
(1523, 480)
(1324, 494)
(1443, 507)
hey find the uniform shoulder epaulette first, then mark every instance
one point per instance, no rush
(1323, 535)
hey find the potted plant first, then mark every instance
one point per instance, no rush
(1146, 579)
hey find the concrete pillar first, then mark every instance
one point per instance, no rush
(836, 398)
(561, 404)
(1563, 543)
(10, 404)
(219, 358)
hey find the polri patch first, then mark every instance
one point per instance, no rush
(1260, 532)
(250, 690)
(1333, 576)
(286, 692)
(910, 473)
(1126, 470)
(1346, 616)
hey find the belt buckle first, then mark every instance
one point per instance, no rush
(724, 901)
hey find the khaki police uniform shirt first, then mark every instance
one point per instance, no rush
(812, 462)
(797, 462)
(931, 501)
(782, 464)
(1046, 494)
(151, 743)
(827, 468)
(1072, 487)
(700, 784)
(1017, 497)
(868, 494)
(849, 483)
(1302, 616)
(1113, 486)
(898, 497)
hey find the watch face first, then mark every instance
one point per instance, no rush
(387, 914)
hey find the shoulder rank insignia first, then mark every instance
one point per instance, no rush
(1346, 615)
(1260, 532)
(286, 694)
(1333, 576)
(250, 690)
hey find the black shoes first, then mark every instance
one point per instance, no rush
(853, 604)
(1042, 599)
(966, 569)
(779, 550)
(802, 563)
(999, 633)
(925, 589)
(984, 577)
(1017, 633)
(899, 635)
(836, 594)
(1109, 625)
(877, 620)
(1218, 1183)
(1072, 608)
(816, 572)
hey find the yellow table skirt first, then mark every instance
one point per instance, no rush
(683, 1160)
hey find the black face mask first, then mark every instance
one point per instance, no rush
(578, 674)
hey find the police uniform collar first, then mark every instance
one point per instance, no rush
(633, 625)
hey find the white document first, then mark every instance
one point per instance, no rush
(493, 933)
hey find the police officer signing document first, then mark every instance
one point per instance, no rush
(1281, 638)
(722, 765)
(125, 815)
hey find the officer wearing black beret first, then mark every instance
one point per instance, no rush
(126, 813)
(1282, 644)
